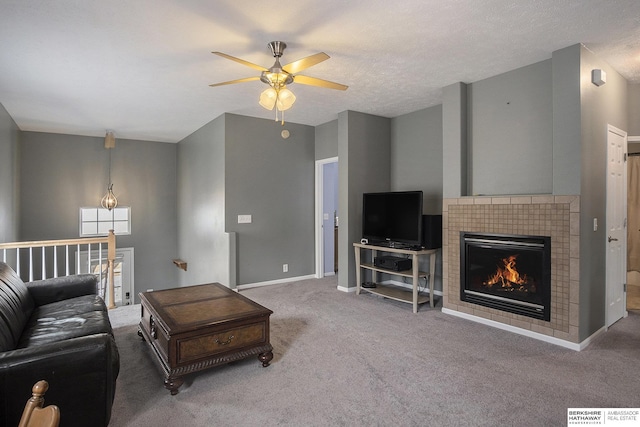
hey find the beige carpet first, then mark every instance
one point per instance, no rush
(347, 360)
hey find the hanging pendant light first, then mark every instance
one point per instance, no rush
(109, 201)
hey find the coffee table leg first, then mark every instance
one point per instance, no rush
(265, 358)
(173, 384)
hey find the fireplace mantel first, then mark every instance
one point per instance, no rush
(543, 215)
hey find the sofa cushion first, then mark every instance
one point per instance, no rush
(72, 318)
(16, 306)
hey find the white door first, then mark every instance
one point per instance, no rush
(616, 259)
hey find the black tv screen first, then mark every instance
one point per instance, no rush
(392, 217)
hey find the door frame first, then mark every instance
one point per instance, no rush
(319, 214)
(622, 206)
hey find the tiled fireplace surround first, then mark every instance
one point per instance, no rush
(541, 215)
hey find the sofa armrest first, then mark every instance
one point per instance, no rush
(60, 288)
(81, 373)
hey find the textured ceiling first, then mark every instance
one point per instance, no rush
(142, 68)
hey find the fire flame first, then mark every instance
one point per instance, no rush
(507, 274)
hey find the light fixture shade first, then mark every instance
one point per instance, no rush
(268, 98)
(285, 100)
(109, 200)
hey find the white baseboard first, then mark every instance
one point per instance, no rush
(343, 289)
(531, 334)
(275, 282)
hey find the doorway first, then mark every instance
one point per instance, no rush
(633, 224)
(327, 221)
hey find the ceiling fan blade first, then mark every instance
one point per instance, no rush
(246, 79)
(241, 61)
(312, 81)
(304, 63)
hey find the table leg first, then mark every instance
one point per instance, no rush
(265, 358)
(432, 277)
(415, 282)
(357, 253)
(173, 384)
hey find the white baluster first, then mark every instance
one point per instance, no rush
(43, 273)
(55, 261)
(30, 264)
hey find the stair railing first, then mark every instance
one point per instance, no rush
(54, 258)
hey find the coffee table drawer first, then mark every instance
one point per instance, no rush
(219, 342)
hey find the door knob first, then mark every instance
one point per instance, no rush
(611, 239)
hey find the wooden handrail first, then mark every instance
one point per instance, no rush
(109, 240)
(49, 243)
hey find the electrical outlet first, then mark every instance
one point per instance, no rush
(285, 268)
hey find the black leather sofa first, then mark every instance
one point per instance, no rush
(56, 330)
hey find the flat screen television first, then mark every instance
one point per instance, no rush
(393, 218)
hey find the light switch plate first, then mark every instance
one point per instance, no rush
(244, 219)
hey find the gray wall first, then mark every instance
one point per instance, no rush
(272, 179)
(510, 132)
(417, 164)
(9, 188)
(364, 149)
(600, 106)
(416, 155)
(201, 206)
(454, 141)
(326, 140)
(567, 135)
(61, 173)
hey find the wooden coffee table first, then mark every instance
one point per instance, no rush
(197, 327)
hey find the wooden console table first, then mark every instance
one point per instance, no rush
(396, 292)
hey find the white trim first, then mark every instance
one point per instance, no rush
(275, 282)
(531, 334)
(633, 138)
(318, 215)
(343, 289)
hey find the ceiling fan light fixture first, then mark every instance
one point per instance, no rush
(285, 99)
(268, 98)
(276, 78)
(277, 96)
(281, 99)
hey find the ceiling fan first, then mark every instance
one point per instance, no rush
(279, 76)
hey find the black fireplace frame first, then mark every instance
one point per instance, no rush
(506, 241)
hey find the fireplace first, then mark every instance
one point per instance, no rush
(511, 273)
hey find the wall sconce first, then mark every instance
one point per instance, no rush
(109, 201)
(598, 77)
